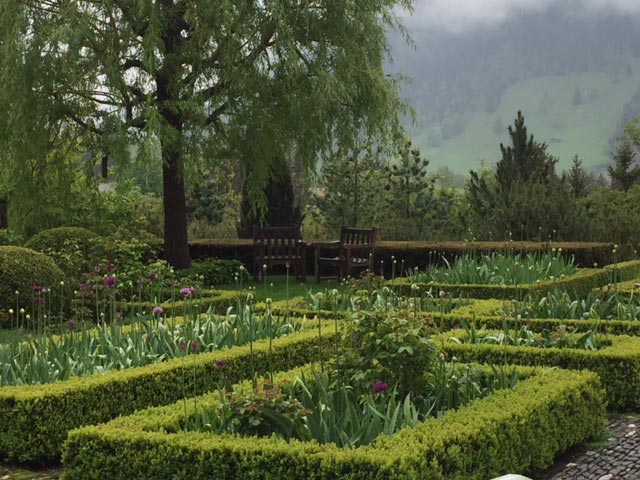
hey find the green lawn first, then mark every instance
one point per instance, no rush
(275, 287)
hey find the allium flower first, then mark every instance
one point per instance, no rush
(119, 315)
(379, 387)
(71, 323)
(152, 276)
(96, 268)
(183, 345)
(456, 326)
(111, 281)
(158, 310)
(83, 286)
(194, 346)
(287, 264)
(221, 364)
(36, 288)
(187, 291)
(111, 267)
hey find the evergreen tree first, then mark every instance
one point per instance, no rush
(623, 173)
(577, 178)
(525, 160)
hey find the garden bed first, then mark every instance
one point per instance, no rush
(35, 419)
(618, 363)
(511, 430)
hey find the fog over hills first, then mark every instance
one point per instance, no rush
(573, 67)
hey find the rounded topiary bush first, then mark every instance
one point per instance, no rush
(19, 269)
(74, 249)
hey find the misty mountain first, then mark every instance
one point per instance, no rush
(456, 76)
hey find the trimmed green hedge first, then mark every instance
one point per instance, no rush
(511, 430)
(580, 284)
(617, 364)
(19, 268)
(35, 419)
(219, 300)
(418, 254)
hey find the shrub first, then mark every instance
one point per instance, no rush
(19, 268)
(74, 249)
(212, 272)
(9, 237)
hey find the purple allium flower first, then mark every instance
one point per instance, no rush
(194, 346)
(96, 268)
(119, 315)
(111, 267)
(158, 310)
(83, 286)
(183, 345)
(152, 276)
(379, 387)
(36, 288)
(71, 323)
(457, 326)
(221, 364)
(39, 300)
(187, 291)
(111, 281)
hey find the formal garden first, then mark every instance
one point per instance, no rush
(222, 256)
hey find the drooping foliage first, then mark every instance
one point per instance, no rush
(246, 81)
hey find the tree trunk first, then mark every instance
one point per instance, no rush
(176, 243)
(4, 215)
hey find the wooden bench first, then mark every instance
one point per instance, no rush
(354, 251)
(278, 246)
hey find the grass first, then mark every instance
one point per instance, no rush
(275, 287)
(546, 103)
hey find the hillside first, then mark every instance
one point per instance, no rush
(551, 116)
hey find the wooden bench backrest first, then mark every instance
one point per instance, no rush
(276, 241)
(358, 236)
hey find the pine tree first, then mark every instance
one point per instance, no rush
(623, 173)
(577, 179)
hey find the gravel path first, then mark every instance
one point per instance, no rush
(618, 459)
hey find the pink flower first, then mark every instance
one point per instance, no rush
(36, 288)
(152, 276)
(185, 292)
(111, 267)
(111, 281)
(71, 323)
(158, 310)
(221, 364)
(183, 344)
(120, 315)
(194, 346)
(379, 387)
(456, 326)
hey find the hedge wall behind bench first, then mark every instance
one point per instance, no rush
(511, 430)
(35, 419)
(416, 254)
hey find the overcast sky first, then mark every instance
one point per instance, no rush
(457, 15)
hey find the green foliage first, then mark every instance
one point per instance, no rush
(19, 268)
(37, 418)
(614, 215)
(546, 413)
(624, 174)
(617, 363)
(213, 272)
(9, 237)
(498, 269)
(74, 249)
(577, 179)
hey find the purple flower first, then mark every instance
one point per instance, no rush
(379, 387)
(185, 292)
(83, 286)
(97, 268)
(71, 323)
(183, 345)
(158, 310)
(111, 267)
(36, 288)
(194, 346)
(152, 276)
(457, 326)
(111, 281)
(221, 364)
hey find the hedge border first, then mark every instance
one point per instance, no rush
(208, 299)
(35, 419)
(581, 283)
(618, 364)
(513, 430)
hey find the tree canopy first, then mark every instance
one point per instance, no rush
(197, 81)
